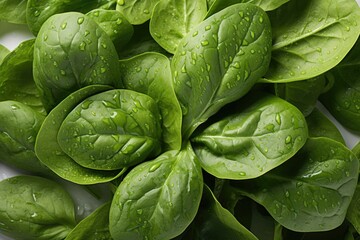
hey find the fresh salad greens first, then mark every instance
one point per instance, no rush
(202, 117)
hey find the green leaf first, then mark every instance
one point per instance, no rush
(12, 11)
(266, 5)
(19, 126)
(3, 53)
(111, 130)
(343, 98)
(93, 227)
(150, 73)
(16, 81)
(53, 156)
(158, 199)
(219, 61)
(266, 132)
(310, 192)
(320, 126)
(302, 94)
(136, 11)
(38, 11)
(70, 52)
(114, 24)
(310, 37)
(215, 222)
(180, 17)
(35, 208)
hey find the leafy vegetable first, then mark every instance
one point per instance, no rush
(157, 199)
(16, 81)
(39, 209)
(19, 126)
(180, 15)
(262, 135)
(65, 40)
(3, 52)
(311, 191)
(150, 73)
(136, 12)
(214, 66)
(13, 11)
(310, 42)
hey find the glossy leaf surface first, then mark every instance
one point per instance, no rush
(180, 17)
(136, 11)
(3, 52)
(35, 208)
(310, 41)
(19, 126)
(265, 133)
(150, 73)
(219, 61)
(158, 199)
(54, 157)
(16, 81)
(13, 11)
(310, 192)
(70, 52)
(111, 130)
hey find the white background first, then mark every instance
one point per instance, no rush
(10, 36)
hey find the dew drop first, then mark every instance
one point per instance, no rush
(208, 27)
(80, 20)
(121, 2)
(63, 26)
(195, 33)
(261, 19)
(146, 11)
(278, 118)
(37, 13)
(204, 43)
(154, 167)
(82, 46)
(288, 139)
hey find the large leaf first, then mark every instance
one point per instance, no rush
(219, 61)
(70, 52)
(157, 199)
(16, 77)
(150, 73)
(310, 37)
(3, 52)
(35, 208)
(180, 17)
(265, 133)
(53, 156)
(310, 192)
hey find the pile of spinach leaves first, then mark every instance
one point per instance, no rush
(201, 116)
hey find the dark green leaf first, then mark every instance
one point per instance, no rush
(219, 61)
(70, 52)
(150, 73)
(158, 199)
(136, 11)
(310, 37)
(13, 11)
(35, 208)
(265, 133)
(3, 52)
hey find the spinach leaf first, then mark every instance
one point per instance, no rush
(93, 227)
(38, 11)
(16, 81)
(3, 52)
(265, 133)
(219, 61)
(136, 11)
(266, 5)
(343, 98)
(111, 130)
(114, 24)
(35, 208)
(70, 52)
(215, 222)
(158, 199)
(53, 156)
(302, 94)
(13, 11)
(150, 73)
(320, 126)
(310, 37)
(19, 126)
(180, 17)
(311, 191)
